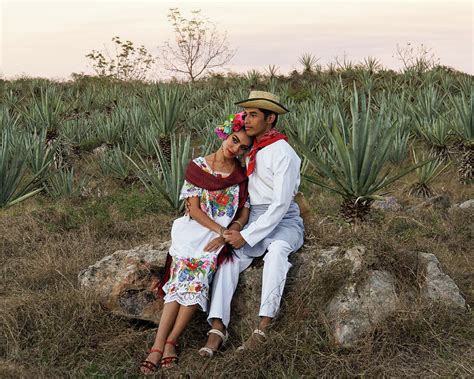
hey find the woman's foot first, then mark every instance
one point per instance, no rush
(151, 363)
(215, 340)
(257, 339)
(170, 357)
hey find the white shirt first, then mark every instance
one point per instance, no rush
(275, 182)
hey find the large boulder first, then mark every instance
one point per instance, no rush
(359, 307)
(124, 281)
(357, 298)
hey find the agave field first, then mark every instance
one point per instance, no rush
(94, 165)
(358, 131)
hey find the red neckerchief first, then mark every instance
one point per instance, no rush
(203, 179)
(267, 139)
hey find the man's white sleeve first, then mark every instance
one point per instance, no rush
(285, 175)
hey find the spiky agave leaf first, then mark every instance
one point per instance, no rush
(433, 168)
(166, 179)
(15, 186)
(355, 170)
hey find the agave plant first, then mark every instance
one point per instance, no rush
(434, 167)
(109, 129)
(308, 125)
(464, 128)
(167, 177)
(15, 183)
(115, 163)
(164, 108)
(354, 164)
(46, 111)
(40, 152)
(309, 63)
(62, 184)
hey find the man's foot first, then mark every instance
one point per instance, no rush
(215, 340)
(170, 357)
(257, 338)
(151, 363)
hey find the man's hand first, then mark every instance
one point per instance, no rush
(215, 244)
(234, 238)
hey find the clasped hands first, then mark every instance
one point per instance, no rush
(232, 237)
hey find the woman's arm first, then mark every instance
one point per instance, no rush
(196, 213)
(239, 222)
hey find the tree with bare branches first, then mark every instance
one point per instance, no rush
(198, 46)
(127, 62)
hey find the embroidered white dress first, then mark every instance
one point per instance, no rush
(193, 268)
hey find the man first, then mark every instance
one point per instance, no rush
(275, 226)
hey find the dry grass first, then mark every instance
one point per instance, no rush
(50, 329)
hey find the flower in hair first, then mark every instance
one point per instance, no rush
(234, 123)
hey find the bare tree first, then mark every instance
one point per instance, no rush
(126, 63)
(198, 46)
(419, 58)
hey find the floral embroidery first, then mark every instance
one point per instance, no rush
(214, 203)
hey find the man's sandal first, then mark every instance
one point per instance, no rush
(257, 338)
(206, 351)
(149, 364)
(171, 361)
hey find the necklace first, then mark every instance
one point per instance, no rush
(225, 167)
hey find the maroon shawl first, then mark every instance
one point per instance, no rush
(203, 179)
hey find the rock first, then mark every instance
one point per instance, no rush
(467, 204)
(438, 286)
(358, 299)
(390, 203)
(439, 202)
(101, 149)
(357, 309)
(124, 281)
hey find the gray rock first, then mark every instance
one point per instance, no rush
(357, 309)
(124, 281)
(438, 286)
(390, 203)
(439, 202)
(467, 204)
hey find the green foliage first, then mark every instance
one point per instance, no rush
(464, 116)
(433, 168)
(63, 184)
(164, 107)
(167, 178)
(354, 164)
(45, 111)
(16, 184)
(126, 63)
(115, 163)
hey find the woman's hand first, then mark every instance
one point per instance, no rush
(215, 244)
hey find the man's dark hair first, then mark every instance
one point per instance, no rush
(267, 113)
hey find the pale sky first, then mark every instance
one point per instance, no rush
(51, 39)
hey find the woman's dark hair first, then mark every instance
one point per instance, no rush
(268, 113)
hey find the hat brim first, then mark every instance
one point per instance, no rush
(261, 103)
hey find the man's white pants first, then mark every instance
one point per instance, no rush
(275, 268)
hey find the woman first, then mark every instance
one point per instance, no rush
(215, 191)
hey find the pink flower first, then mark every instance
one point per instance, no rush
(238, 122)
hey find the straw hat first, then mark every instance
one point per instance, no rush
(263, 100)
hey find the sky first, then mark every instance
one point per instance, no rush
(50, 39)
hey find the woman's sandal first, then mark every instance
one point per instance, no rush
(153, 367)
(171, 361)
(206, 351)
